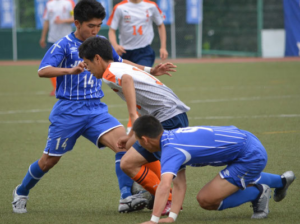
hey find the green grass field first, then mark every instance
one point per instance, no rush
(263, 98)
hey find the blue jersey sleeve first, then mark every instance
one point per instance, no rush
(171, 160)
(54, 56)
(116, 57)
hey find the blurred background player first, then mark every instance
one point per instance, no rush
(146, 93)
(134, 19)
(58, 19)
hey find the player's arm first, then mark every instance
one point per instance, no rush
(158, 70)
(58, 20)
(50, 71)
(163, 53)
(161, 196)
(113, 40)
(44, 34)
(130, 98)
(178, 192)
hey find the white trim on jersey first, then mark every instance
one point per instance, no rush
(230, 136)
(170, 173)
(44, 67)
(195, 146)
(226, 142)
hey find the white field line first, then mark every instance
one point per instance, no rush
(190, 118)
(192, 101)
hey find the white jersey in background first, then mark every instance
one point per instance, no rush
(62, 9)
(135, 23)
(152, 96)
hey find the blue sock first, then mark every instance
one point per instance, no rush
(33, 175)
(272, 180)
(125, 182)
(240, 197)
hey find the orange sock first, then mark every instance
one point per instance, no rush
(149, 180)
(155, 167)
(53, 80)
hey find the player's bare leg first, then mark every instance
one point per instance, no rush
(220, 194)
(128, 202)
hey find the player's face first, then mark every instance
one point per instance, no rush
(87, 29)
(93, 67)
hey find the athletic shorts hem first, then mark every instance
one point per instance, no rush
(52, 154)
(108, 130)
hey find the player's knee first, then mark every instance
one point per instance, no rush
(206, 203)
(47, 162)
(126, 166)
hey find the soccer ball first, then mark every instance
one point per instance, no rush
(138, 189)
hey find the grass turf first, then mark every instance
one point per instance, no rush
(263, 98)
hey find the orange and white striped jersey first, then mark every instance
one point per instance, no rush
(152, 97)
(135, 23)
(62, 9)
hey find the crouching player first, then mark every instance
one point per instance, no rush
(143, 93)
(240, 182)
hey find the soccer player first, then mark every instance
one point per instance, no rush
(240, 182)
(142, 92)
(134, 19)
(79, 110)
(58, 19)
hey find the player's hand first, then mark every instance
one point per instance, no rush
(163, 69)
(42, 43)
(78, 69)
(122, 142)
(58, 20)
(120, 50)
(166, 220)
(163, 53)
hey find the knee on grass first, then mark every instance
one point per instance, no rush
(206, 203)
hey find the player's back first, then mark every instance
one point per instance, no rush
(205, 145)
(152, 96)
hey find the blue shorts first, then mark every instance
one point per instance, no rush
(247, 168)
(142, 56)
(71, 119)
(179, 121)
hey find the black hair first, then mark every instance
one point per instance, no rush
(96, 45)
(86, 10)
(148, 126)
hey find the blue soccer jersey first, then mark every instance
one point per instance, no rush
(200, 146)
(64, 54)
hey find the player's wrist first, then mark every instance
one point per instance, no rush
(147, 69)
(154, 219)
(173, 215)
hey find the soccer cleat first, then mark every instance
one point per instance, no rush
(132, 203)
(167, 209)
(279, 193)
(261, 205)
(19, 202)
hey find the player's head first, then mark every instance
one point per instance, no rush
(148, 130)
(94, 51)
(88, 16)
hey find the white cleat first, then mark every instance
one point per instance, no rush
(19, 202)
(261, 205)
(132, 203)
(280, 193)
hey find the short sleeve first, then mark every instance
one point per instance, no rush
(157, 16)
(115, 18)
(54, 56)
(171, 160)
(116, 57)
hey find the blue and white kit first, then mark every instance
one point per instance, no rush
(240, 150)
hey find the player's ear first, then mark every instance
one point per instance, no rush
(97, 58)
(77, 24)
